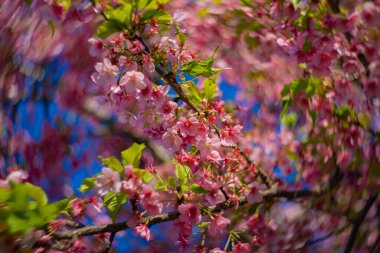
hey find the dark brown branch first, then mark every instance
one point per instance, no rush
(358, 222)
(112, 237)
(156, 219)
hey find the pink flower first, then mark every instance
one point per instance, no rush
(230, 135)
(218, 225)
(171, 140)
(150, 200)
(350, 66)
(257, 240)
(96, 203)
(77, 206)
(370, 13)
(144, 232)
(133, 80)
(96, 46)
(188, 126)
(18, 176)
(148, 64)
(214, 156)
(168, 106)
(241, 248)
(104, 71)
(208, 145)
(107, 181)
(254, 196)
(189, 213)
(217, 250)
(56, 225)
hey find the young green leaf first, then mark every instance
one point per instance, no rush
(113, 201)
(183, 173)
(145, 176)
(87, 184)
(132, 155)
(113, 163)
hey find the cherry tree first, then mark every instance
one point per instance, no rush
(292, 164)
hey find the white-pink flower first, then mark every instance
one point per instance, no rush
(144, 232)
(189, 213)
(242, 248)
(230, 135)
(171, 140)
(217, 250)
(188, 126)
(104, 71)
(218, 225)
(17, 176)
(107, 181)
(254, 195)
(214, 156)
(133, 80)
(77, 206)
(150, 200)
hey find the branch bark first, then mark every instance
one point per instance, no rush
(359, 221)
(156, 219)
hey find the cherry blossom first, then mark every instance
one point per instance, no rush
(107, 181)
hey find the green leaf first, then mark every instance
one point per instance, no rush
(198, 189)
(87, 184)
(17, 223)
(150, 4)
(289, 119)
(295, 3)
(374, 171)
(122, 14)
(159, 14)
(292, 155)
(364, 120)
(113, 163)
(36, 193)
(4, 195)
(193, 93)
(160, 185)
(203, 224)
(313, 114)
(62, 205)
(181, 37)
(132, 155)
(171, 182)
(108, 28)
(344, 111)
(183, 173)
(143, 3)
(288, 93)
(52, 27)
(28, 2)
(145, 176)
(200, 68)
(209, 88)
(65, 3)
(113, 202)
(19, 200)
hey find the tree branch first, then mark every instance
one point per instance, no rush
(359, 221)
(156, 219)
